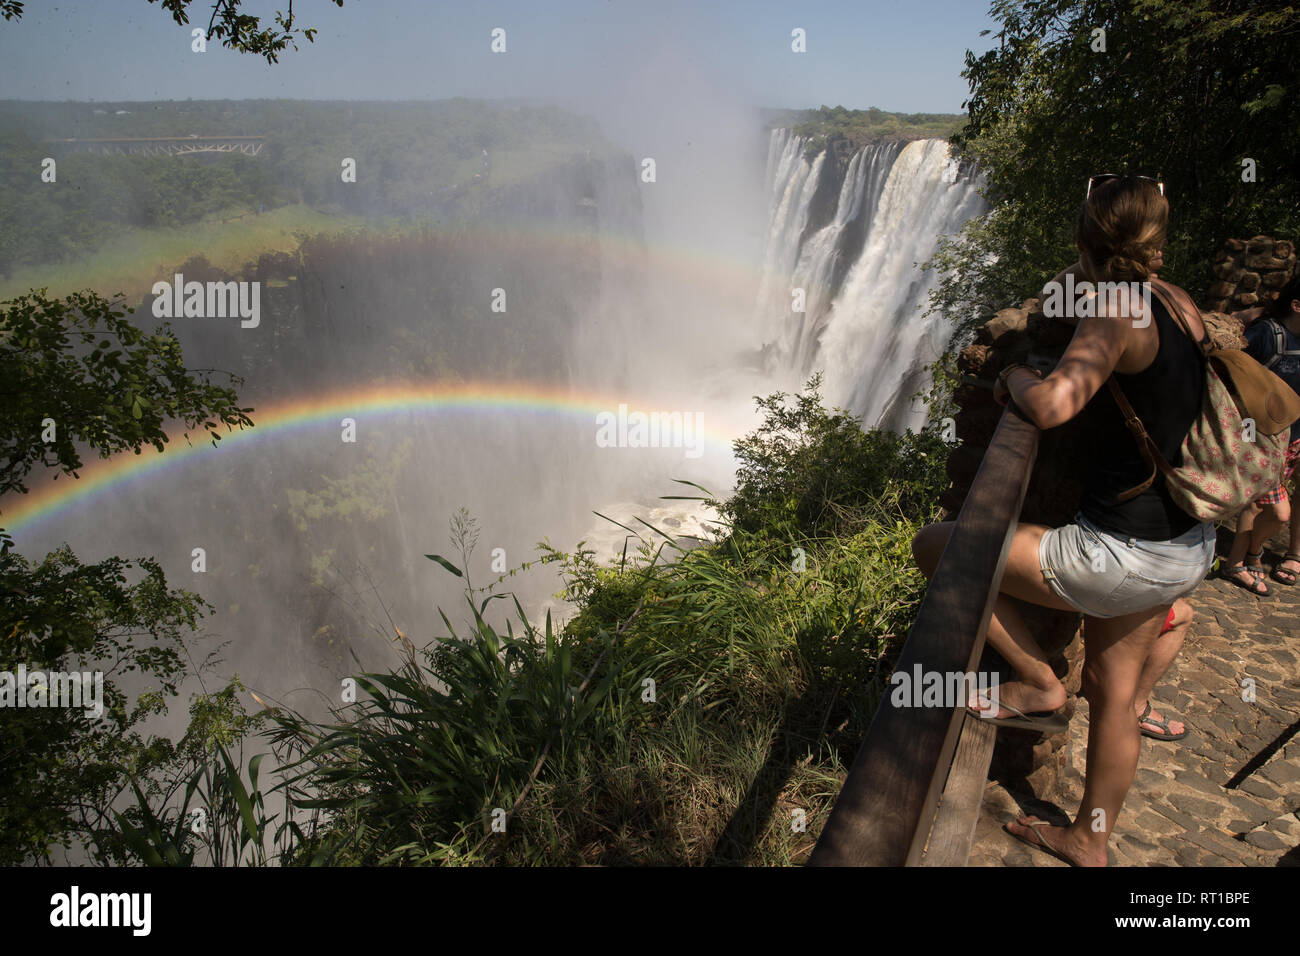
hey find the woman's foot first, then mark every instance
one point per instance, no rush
(1063, 843)
(1247, 578)
(1026, 698)
(1153, 725)
(1287, 569)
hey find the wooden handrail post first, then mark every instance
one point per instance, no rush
(883, 813)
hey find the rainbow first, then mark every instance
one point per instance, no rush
(698, 265)
(100, 478)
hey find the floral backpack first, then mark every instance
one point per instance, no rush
(1236, 448)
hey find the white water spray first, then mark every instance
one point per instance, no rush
(864, 322)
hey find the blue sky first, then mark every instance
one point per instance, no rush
(903, 55)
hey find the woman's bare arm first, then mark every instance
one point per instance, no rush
(1059, 282)
(1075, 270)
(1250, 315)
(1094, 351)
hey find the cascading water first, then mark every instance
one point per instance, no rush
(791, 182)
(857, 264)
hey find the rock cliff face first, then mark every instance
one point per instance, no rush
(1248, 272)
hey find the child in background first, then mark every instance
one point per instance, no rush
(1273, 340)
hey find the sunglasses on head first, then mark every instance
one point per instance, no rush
(1106, 177)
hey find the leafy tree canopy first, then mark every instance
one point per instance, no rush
(61, 769)
(78, 365)
(75, 374)
(228, 24)
(75, 370)
(1201, 93)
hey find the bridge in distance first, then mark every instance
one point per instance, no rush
(162, 145)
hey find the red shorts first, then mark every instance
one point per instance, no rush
(1169, 621)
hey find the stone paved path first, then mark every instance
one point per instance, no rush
(1179, 812)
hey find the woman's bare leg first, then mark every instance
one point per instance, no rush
(1038, 687)
(1162, 657)
(1255, 526)
(1241, 541)
(1116, 651)
(1293, 543)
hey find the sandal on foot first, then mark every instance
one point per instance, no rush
(1281, 574)
(1229, 574)
(1255, 565)
(1045, 722)
(1039, 842)
(1166, 733)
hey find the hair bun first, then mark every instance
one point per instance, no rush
(1121, 230)
(1127, 268)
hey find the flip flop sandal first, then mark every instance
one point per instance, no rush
(1230, 575)
(1278, 570)
(1040, 843)
(1043, 721)
(1146, 718)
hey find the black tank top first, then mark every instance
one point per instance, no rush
(1167, 396)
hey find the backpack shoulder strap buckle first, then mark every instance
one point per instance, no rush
(1279, 343)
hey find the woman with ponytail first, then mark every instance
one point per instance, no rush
(1123, 564)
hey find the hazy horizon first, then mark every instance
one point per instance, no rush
(610, 54)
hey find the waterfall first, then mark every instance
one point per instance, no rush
(854, 242)
(791, 182)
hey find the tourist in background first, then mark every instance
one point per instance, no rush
(1272, 339)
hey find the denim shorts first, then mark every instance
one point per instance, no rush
(1103, 575)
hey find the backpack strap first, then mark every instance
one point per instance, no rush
(1279, 344)
(1174, 300)
(1146, 444)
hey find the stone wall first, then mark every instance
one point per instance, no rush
(1246, 272)
(1249, 272)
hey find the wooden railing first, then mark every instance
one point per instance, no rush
(918, 778)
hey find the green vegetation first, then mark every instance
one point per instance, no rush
(1186, 91)
(139, 256)
(115, 397)
(60, 772)
(803, 464)
(695, 701)
(858, 128)
(417, 162)
(76, 372)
